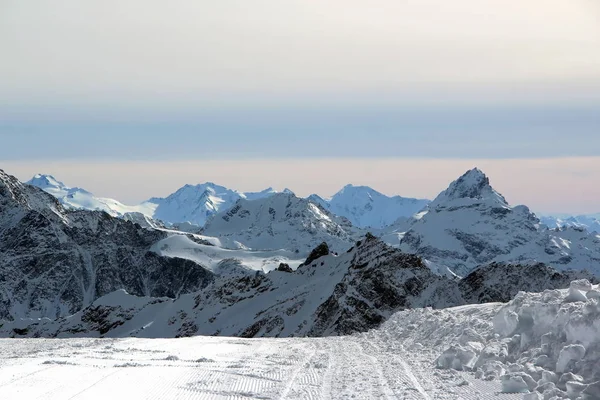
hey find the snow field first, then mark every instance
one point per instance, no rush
(364, 366)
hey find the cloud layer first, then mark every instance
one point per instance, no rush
(148, 52)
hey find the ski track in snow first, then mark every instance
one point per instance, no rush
(362, 366)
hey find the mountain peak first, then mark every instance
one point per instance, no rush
(473, 185)
(44, 181)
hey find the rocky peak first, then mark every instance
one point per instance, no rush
(319, 251)
(472, 187)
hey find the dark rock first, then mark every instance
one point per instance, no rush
(283, 267)
(49, 255)
(319, 251)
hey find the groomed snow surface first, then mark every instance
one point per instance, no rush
(538, 346)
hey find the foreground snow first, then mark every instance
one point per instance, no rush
(537, 346)
(360, 367)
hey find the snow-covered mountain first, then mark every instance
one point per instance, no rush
(470, 224)
(326, 295)
(196, 203)
(80, 199)
(53, 261)
(367, 208)
(282, 221)
(591, 222)
(191, 204)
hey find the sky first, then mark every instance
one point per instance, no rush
(130, 98)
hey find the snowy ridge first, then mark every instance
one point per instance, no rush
(470, 224)
(282, 221)
(81, 199)
(191, 204)
(327, 295)
(367, 208)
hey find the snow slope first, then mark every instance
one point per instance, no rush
(470, 224)
(211, 252)
(282, 221)
(367, 208)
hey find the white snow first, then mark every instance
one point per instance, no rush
(357, 367)
(538, 346)
(470, 224)
(282, 221)
(210, 256)
(368, 208)
(77, 198)
(192, 204)
(591, 222)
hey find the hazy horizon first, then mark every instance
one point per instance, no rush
(543, 183)
(400, 96)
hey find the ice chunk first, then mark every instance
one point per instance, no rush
(593, 294)
(458, 358)
(581, 284)
(568, 354)
(514, 383)
(575, 295)
(592, 392)
(505, 322)
(568, 377)
(574, 388)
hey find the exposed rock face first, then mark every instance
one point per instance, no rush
(283, 267)
(319, 251)
(54, 262)
(333, 295)
(500, 282)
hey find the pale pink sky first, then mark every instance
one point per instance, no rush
(568, 185)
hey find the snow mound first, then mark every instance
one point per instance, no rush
(545, 345)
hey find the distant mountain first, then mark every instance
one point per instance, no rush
(470, 224)
(591, 222)
(81, 199)
(191, 204)
(282, 221)
(55, 261)
(368, 208)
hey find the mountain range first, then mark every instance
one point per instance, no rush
(193, 205)
(272, 264)
(591, 222)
